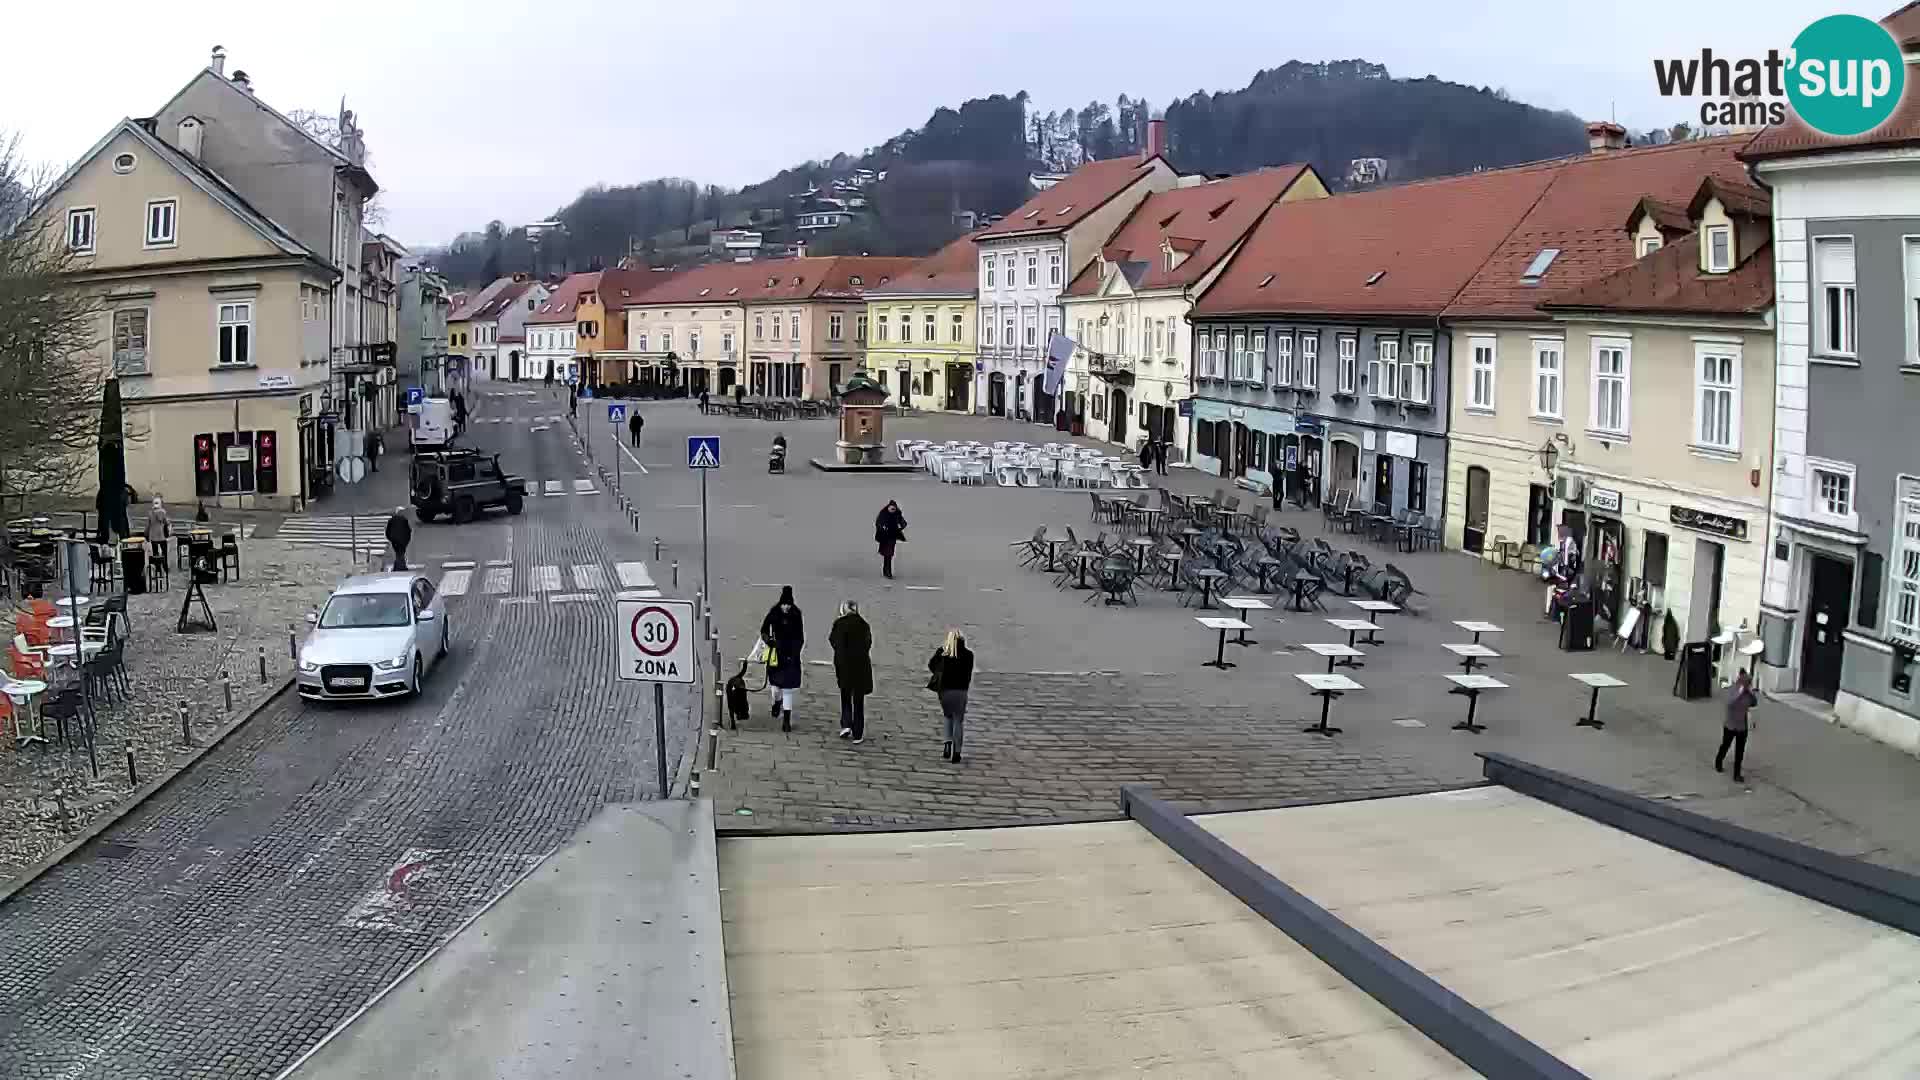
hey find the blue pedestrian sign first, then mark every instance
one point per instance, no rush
(616, 414)
(416, 396)
(703, 451)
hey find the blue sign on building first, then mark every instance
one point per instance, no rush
(415, 395)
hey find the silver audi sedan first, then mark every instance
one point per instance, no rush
(375, 638)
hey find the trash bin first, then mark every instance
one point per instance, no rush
(1576, 626)
(133, 564)
(1694, 678)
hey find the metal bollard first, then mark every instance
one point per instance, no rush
(133, 774)
(186, 725)
(676, 573)
(700, 603)
(656, 549)
(293, 645)
(226, 688)
(263, 663)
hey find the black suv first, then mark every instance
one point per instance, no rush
(461, 483)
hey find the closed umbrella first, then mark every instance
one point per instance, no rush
(112, 500)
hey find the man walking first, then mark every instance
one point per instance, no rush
(634, 424)
(573, 402)
(399, 534)
(1740, 702)
(1160, 457)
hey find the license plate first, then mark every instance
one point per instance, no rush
(347, 684)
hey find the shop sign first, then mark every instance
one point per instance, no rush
(1706, 521)
(1604, 499)
(1403, 444)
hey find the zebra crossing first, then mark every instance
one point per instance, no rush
(554, 419)
(361, 534)
(553, 584)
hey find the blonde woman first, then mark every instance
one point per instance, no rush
(952, 668)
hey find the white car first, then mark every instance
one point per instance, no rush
(375, 638)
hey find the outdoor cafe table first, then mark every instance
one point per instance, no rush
(1375, 607)
(1053, 552)
(1355, 627)
(1470, 687)
(1476, 628)
(1337, 655)
(60, 622)
(1141, 545)
(1471, 656)
(1172, 559)
(1298, 585)
(1326, 688)
(1214, 622)
(23, 692)
(66, 650)
(1207, 577)
(1244, 603)
(1083, 557)
(1150, 518)
(1595, 681)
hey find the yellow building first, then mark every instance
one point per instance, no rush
(919, 330)
(215, 319)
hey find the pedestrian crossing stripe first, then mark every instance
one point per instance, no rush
(589, 577)
(633, 575)
(343, 532)
(499, 580)
(546, 579)
(553, 487)
(589, 580)
(455, 582)
(584, 486)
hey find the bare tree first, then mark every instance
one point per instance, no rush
(51, 377)
(327, 129)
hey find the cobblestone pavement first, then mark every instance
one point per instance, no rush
(48, 792)
(225, 925)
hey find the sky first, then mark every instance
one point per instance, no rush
(501, 109)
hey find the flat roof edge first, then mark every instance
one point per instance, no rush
(1881, 894)
(1464, 1030)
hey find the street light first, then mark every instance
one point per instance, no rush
(1548, 455)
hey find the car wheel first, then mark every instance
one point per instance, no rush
(463, 509)
(425, 514)
(514, 502)
(419, 684)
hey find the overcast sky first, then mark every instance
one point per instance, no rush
(504, 109)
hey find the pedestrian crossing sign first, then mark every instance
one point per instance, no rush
(616, 414)
(703, 451)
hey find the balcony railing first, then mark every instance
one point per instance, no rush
(1109, 364)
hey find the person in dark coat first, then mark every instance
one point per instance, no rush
(399, 534)
(852, 643)
(889, 529)
(459, 412)
(705, 401)
(1146, 452)
(1740, 701)
(784, 631)
(634, 424)
(952, 668)
(1160, 457)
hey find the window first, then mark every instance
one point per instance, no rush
(1238, 372)
(124, 163)
(759, 328)
(1649, 245)
(1204, 438)
(1347, 372)
(1033, 268)
(1480, 386)
(1006, 324)
(1547, 359)
(929, 331)
(1097, 406)
(80, 230)
(1904, 622)
(1053, 267)
(1219, 364)
(1383, 371)
(1612, 375)
(776, 326)
(959, 329)
(726, 342)
(1259, 370)
(794, 325)
(906, 326)
(236, 333)
(836, 326)
(1417, 377)
(1283, 359)
(1830, 492)
(1417, 486)
(1716, 419)
(640, 343)
(1833, 272)
(880, 329)
(1720, 249)
(160, 222)
(130, 341)
(986, 328)
(1309, 361)
(989, 271)
(860, 328)
(693, 343)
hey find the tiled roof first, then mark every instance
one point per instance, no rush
(1670, 281)
(1424, 240)
(1667, 217)
(1904, 25)
(1205, 221)
(824, 277)
(1739, 200)
(501, 300)
(1902, 128)
(1579, 216)
(475, 301)
(622, 286)
(561, 304)
(954, 270)
(1061, 206)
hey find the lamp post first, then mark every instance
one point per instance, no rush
(1549, 454)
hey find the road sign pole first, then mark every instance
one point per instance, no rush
(706, 575)
(660, 734)
(614, 430)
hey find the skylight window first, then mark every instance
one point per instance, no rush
(733, 290)
(1374, 279)
(1067, 209)
(704, 292)
(1214, 214)
(1537, 269)
(855, 279)
(1031, 214)
(1266, 281)
(1168, 220)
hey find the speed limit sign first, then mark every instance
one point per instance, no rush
(656, 640)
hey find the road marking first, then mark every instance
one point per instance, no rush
(538, 427)
(682, 506)
(455, 582)
(569, 597)
(499, 562)
(553, 487)
(633, 575)
(546, 579)
(639, 594)
(499, 580)
(584, 486)
(630, 457)
(462, 564)
(520, 600)
(765, 585)
(925, 588)
(1408, 721)
(740, 506)
(589, 576)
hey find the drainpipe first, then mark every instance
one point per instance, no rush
(1773, 437)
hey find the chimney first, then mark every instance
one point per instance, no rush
(191, 132)
(240, 80)
(1605, 135)
(1156, 140)
(219, 64)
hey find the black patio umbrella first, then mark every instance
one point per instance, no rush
(112, 500)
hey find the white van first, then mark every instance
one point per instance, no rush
(432, 424)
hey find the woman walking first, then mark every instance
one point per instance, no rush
(1740, 701)
(852, 643)
(889, 528)
(785, 633)
(952, 668)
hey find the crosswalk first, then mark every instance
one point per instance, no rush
(552, 584)
(554, 419)
(364, 533)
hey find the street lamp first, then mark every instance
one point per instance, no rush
(1548, 455)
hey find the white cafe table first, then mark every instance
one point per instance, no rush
(1476, 628)
(1239, 603)
(1470, 687)
(1215, 622)
(1471, 656)
(1340, 655)
(22, 693)
(1326, 688)
(1594, 681)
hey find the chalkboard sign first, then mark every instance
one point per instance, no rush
(1706, 521)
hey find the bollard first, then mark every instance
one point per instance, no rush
(263, 663)
(656, 549)
(133, 774)
(700, 603)
(293, 645)
(186, 725)
(226, 688)
(676, 573)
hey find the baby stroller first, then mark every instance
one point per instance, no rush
(777, 457)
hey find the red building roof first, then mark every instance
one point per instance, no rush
(1203, 222)
(953, 270)
(1080, 193)
(1670, 282)
(564, 302)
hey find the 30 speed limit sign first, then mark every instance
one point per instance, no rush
(656, 640)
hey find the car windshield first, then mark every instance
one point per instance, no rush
(354, 611)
